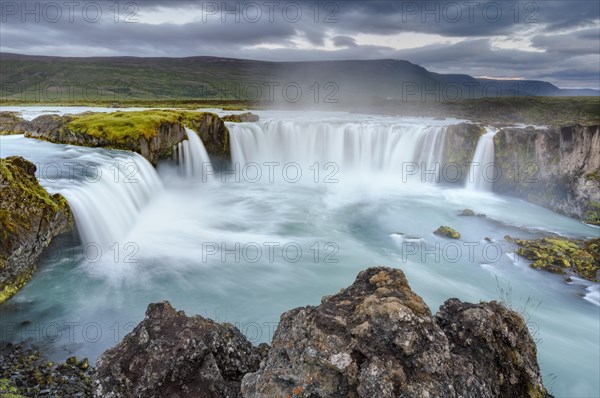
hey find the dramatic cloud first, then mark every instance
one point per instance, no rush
(553, 40)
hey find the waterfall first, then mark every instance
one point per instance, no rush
(109, 194)
(192, 156)
(481, 172)
(353, 146)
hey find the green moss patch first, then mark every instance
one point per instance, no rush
(592, 215)
(447, 232)
(119, 126)
(8, 390)
(559, 255)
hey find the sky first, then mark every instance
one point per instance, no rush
(555, 41)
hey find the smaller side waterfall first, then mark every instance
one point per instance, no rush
(192, 157)
(106, 203)
(482, 170)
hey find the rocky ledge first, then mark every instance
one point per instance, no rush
(29, 219)
(12, 123)
(558, 168)
(376, 338)
(151, 133)
(460, 145)
(241, 118)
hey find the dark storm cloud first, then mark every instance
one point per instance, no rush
(558, 29)
(575, 43)
(344, 41)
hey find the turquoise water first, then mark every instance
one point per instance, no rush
(231, 251)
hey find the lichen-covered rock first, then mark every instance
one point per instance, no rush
(151, 133)
(171, 355)
(241, 118)
(560, 255)
(447, 232)
(556, 167)
(29, 219)
(493, 354)
(377, 338)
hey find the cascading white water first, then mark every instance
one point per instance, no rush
(365, 146)
(481, 172)
(106, 189)
(107, 201)
(368, 221)
(192, 156)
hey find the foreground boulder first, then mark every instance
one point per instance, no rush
(29, 219)
(377, 338)
(171, 355)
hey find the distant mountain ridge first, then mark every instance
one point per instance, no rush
(49, 78)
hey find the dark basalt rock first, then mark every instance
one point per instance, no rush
(377, 338)
(29, 219)
(171, 355)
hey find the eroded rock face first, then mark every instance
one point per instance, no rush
(171, 355)
(555, 168)
(241, 118)
(377, 338)
(213, 133)
(12, 123)
(459, 147)
(29, 219)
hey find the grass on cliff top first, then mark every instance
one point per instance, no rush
(132, 125)
(552, 111)
(187, 104)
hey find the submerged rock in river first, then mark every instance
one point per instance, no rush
(376, 338)
(559, 255)
(448, 232)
